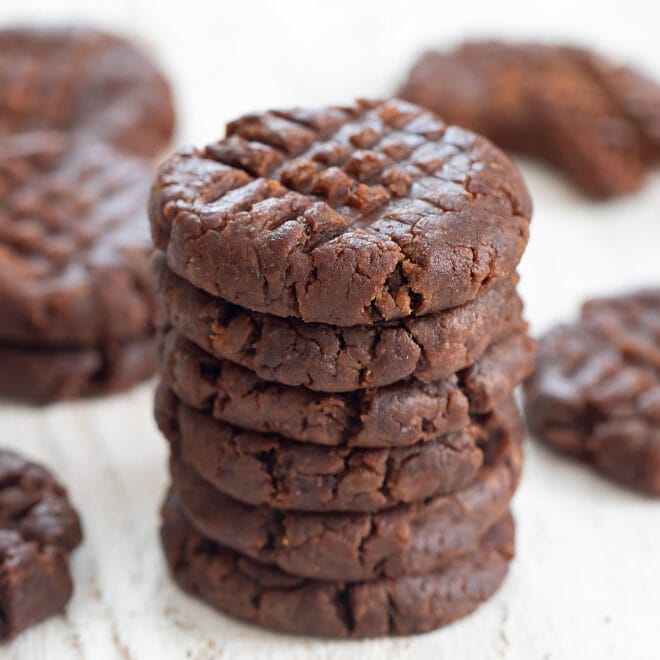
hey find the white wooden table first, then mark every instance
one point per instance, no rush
(586, 582)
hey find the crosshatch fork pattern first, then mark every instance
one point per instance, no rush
(368, 205)
(49, 210)
(74, 241)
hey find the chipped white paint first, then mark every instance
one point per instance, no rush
(586, 583)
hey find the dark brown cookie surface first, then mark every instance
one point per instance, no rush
(409, 539)
(334, 359)
(343, 216)
(397, 415)
(38, 529)
(596, 389)
(274, 599)
(597, 121)
(74, 242)
(84, 80)
(43, 376)
(266, 469)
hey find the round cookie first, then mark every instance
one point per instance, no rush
(79, 79)
(248, 590)
(334, 359)
(38, 530)
(74, 243)
(397, 415)
(410, 539)
(343, 216)
(43, 376)
(266, 469)
(597, 121)
(596, 389)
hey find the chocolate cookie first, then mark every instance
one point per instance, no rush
(78, 79)
(345, 216)
(397, 415)
(409, 539)
(596, 389)
(74, 243)
(44, 376)
(265, 595)
(38, 530)
(597, 121)
(334, 359)
(257, 468)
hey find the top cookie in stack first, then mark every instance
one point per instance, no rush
(343, 336)
(350, 216)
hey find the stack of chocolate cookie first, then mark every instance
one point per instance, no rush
(81, 115)
(343, 336)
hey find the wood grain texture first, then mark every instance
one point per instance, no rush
(586, 582)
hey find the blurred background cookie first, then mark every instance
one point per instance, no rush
(84, 80)
(77, 307)
(597, 121)
(38, 530)
(596, 389)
